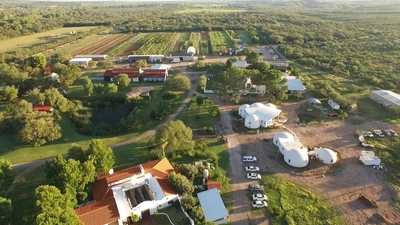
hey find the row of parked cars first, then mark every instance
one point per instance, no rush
(380, 133)
(259, 199)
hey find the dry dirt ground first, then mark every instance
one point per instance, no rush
(341, 184)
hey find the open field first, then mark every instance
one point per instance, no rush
(39, 38)
(210, 10)
(114, 42)
(221, 41)
(94, 45)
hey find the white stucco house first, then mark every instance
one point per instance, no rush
(258, 115)
(293, 151)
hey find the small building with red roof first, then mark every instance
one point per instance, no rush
(135, 73)
(140, 190)
(43, 108)
(155, 75)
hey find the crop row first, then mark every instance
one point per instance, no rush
(117, 50)
(160, 43)
(204, 47)
(92, 46)
(117, 41)
(221, 41)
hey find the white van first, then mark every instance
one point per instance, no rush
(249, 159)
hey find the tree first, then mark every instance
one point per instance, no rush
(180, 183)
(111, 88)
(102, 156)
(161, 110)
(37, 61)
(88, 86)
(233, 79)
(92, 63)
(68, 74)
(253, 57)
(39, 129)
(189, 170)
(55, 99)
(275, 85)
(229, 63)
(179, 83)
(122, 80)
(8, 93)
(76, 152)
(105, 64)
(197, 214)
(6, 177)
(177, 134)
(11, 75)
(202, 82)
(261, 66)
(213, 110)
(52, 207)
(61, 57)
(99, 88)
(140, 64)
(188, 201)
(200, 101)
(5, 210)
(71, 177)
(35, 96)
(134, 121)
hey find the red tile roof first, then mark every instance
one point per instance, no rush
(132, 72)
(42, 108)
(149, 73)
(214, 184)
(104, 209)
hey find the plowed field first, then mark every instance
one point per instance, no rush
(204, 36)
(133, 47)
(117, 41)
(177, 45)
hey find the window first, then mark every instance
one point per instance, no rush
(170, 202)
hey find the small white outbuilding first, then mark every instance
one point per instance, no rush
(326, 155)
(191, 50)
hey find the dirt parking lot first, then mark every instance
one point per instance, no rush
(340, 185)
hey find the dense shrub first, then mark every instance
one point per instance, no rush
(170, 96)
(197, 214)
(161, 110)
(188, 202)
(180, 183)
(208, 130)
(189, 170)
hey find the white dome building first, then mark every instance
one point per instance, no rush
(297, 158)
(265, 114)
(326, 155)
(191, 50)
(252, 122)
(293, 151)
(242, 111)
(270, 105)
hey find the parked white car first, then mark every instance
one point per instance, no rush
(252, 168)
(253, 176)
(393, 133)
(259, 204)
(259, 197)
(379, 133)
(249, 159)
(367, 134)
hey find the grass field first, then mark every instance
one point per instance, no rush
(210, 10)
(33, 39)
(289, 203)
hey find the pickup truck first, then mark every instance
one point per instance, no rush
(256, 187)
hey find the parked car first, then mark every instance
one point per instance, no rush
(379, 133)
(259, 197)
(393, 133)
(256, 187)
(367, 134)
(259, 204)
(253, 176)
(252, 168)
(249, 159)
(386, 133)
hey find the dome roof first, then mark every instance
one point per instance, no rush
(252, 118)
(270, 105)
(252, 121)
(282, 135)
(242, 108)
(191, 49)
(297, 158)
(326, 155)
(257, 104)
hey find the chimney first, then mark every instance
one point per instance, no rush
(141, 168)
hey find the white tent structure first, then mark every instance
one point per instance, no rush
(368, 158)
(326, 155)
(293, 151)
(191, 50)
(264, 113)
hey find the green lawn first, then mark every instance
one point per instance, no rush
(197, 117)
(12, 150)
(22, 196)
(289, 203)
(34, 39)
(209, 10)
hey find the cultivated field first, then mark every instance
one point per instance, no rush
(39, 38)
(203, 10)
(220, 41)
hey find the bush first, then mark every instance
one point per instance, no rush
(202, 82)
(188, 202)
(197, 214)
(189, 170)
(180, 183)
(179, 83)
(208, 130)
(170, 96)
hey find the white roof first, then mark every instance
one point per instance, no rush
(392, 97)
(160, 67)
(263, 112)
(240, 63)
(295, 85)
(80, 60)
(367, 153)
(90, 56)
(212, 205)
(191, 49)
